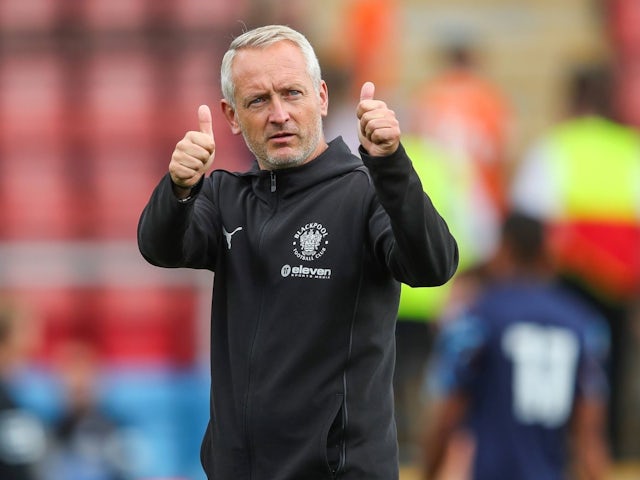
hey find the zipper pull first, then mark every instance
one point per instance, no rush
(273, 181)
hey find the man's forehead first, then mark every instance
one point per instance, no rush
(254, 65)
(284, 51)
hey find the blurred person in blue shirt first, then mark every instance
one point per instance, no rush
(582, 178)
(22, 434)
(522, 370)
(87, 442)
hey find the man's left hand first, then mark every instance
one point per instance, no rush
(379, 129)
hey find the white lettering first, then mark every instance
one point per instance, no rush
(544, 365)
(301, 271)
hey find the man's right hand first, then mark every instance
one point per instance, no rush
(193, 155)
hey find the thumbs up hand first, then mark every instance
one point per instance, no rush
(379, 129)
(193, 155)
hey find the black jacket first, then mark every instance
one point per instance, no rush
(307, 265)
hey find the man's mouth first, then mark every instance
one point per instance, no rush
(281, 135)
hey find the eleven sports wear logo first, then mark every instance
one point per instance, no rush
(309, 244)
(301, 271)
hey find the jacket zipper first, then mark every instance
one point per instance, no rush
(246, 413)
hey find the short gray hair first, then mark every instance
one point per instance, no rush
(262, 37)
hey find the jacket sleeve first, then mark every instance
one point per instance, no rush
(174, 233)
(408, 233)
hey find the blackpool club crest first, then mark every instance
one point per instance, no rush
(310, 242)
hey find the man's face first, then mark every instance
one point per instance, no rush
(278, 110)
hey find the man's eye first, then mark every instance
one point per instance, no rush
(295, 93)
(256, 101)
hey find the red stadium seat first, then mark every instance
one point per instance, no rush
(26, 14)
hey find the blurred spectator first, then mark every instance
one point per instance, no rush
(466, 113)
(522, 370)
(583, 179)
(449, 181)
(367, 39)
(457, 139)
(88, 444)
(22, 435)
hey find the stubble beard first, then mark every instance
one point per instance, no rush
(270, 162)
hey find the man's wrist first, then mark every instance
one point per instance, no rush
(182, 193)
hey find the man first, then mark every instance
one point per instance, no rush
(22, 434)
(581, 178)
(468, 115)
(308, 249)
(87, 442)
(522, 370)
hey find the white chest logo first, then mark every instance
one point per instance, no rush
(228, 235)
(310, 242)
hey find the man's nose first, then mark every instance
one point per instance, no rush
(279, 113)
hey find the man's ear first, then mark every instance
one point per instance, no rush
(230, 115)
(324, 98)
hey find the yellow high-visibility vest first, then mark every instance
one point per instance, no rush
(595, 237)
(598, 170)
(452, 186)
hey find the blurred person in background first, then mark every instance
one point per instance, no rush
(583, 179)
(22, 435)
(367, 38)
(522, 370)
(457, 137)
(450, 183)
(87, 443)
(466, 113)
(308, 249)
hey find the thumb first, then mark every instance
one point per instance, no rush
(204, 118)
(367, 92)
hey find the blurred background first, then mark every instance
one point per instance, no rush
(94, 94)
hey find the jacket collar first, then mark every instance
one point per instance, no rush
(335, 161)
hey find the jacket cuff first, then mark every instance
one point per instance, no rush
(398, 161)
(192, 195)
